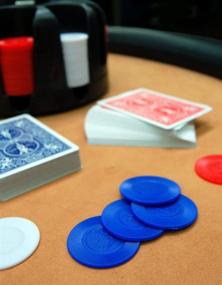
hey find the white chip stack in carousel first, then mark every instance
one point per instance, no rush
(75, 54)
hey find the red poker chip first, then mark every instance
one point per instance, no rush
(1, 44)
(17, 65)
(17, 43)
(210, 168)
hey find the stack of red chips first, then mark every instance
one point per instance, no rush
(16, 60)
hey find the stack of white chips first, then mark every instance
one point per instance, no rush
(75, 54)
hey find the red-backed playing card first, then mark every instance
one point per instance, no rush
(156, 108)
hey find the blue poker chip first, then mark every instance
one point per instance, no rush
(175, 216)
(119, 221)
(91, 245)
(150, 190)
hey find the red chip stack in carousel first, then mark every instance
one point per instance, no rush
(17, 65)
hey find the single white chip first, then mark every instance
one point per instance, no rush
(19, 238)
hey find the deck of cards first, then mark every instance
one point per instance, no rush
(144, 117)
(31, 154)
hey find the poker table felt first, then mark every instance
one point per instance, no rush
(191, 256)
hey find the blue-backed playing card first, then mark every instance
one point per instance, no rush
(26, 143)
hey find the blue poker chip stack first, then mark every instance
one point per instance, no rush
(151, 205)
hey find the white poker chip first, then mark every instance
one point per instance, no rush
(19, 238)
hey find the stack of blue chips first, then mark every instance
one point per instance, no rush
(151, 205)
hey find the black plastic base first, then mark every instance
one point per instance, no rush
(53, 103)
(45, 23)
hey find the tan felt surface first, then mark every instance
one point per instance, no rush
(192, 256)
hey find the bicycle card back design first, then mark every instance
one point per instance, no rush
(28, 146)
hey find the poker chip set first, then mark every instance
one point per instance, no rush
(17, 62)
(151, 206)
(54, 60)
(58, 65)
